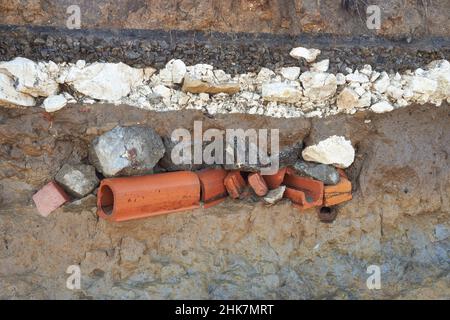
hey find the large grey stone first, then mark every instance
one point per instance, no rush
(78, 180)
(126, 151)
(325, 173)
(174, 160)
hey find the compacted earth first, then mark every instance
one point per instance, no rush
(398, 220)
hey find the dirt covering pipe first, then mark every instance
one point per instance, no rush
(121, 199)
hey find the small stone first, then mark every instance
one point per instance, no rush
(162, 91)
(78, 180)
(340, 79)
(335, 150)
(198, 86)
(275, 195)
(381, 107)
(308, 54)
(81, 64)
(423, 85)
(126, 151)
(105, 81)
(321, 66)
(282, 92)
(325, 173)
(318, 85)
(265, 75)
(290, 73)
(347, 99)
(357, 77)
(54, 103)
(9, 95)
(32, 78)
(382, 83)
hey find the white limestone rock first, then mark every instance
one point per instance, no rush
(308, 54)
(31, 78)
(281, 92)
(321, 66)
(174, 71)
(105, 81)
(290, 73)
(357, 77)
(381, 107)
(54, 103)
(347, 99)
(335, 150)
(9, 95)
(318, 85)
(382, 83)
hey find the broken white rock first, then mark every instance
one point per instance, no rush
(32, 78)
(318, 85)
(381, 107)
(321, 66)
(281, 92)
(9, 95)
(290, 73)
(382, 83)
(347, 99)
(162, 91)
(177, 70)
(105, 81)
(335, 150)
(308, 54)
(275, 195)
(54, 103)
(357, 77)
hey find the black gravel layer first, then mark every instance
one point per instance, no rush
(234, 53)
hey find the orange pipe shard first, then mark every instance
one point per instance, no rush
(213, 188)
(256, 181)
(234, 183)
(312, 190)
(122, 199)
(273, 181)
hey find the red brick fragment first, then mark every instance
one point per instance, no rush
(49, 198)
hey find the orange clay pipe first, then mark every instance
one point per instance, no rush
(121, 199)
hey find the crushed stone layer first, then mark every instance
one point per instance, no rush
(233, 52)
(284, 92)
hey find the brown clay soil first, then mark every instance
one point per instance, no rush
(238, 249)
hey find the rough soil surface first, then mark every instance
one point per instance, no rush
(408, 18)
(398, 218)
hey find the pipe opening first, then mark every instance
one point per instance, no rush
(107, 200)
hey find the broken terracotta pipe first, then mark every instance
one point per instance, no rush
(304, 192)
(121, 199)
(339, 193)
(234, 183)
(212, 186)
(257, 183)
(275, 180)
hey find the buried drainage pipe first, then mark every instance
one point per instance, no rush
(121, 199)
